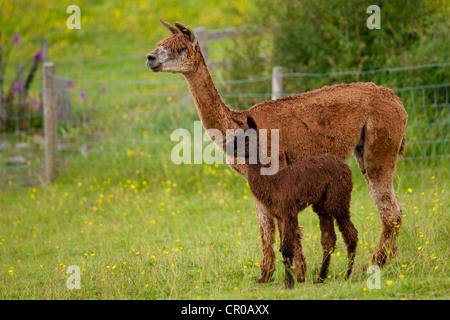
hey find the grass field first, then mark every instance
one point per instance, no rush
(194, 235)
(140, 227)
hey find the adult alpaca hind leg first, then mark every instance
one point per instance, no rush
(389, 208)
(388, 204)
(382, 146)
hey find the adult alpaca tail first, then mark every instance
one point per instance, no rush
(402, 147)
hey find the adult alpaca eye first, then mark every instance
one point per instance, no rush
(181, 50)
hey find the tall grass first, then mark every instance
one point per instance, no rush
(191, 232)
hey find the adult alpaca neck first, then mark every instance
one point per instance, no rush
(213, 111)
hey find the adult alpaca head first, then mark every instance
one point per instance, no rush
(179, 53)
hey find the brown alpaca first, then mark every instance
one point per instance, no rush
(322, 181)
(360, 118)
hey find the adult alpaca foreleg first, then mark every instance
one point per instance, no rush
(268, 231)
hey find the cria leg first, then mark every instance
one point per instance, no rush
(289, 234)
(328, 240)
(350, 236)
(300, 266)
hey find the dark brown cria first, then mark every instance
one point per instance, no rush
(322, 181)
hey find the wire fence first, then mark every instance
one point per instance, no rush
(113, 127)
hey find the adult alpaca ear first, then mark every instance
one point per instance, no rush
(239, 123)
(187, 32)
(173, 30)
(251, 123)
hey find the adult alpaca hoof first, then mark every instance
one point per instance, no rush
(262, 280)
(380, 258)
(382, 255)
(265, 277)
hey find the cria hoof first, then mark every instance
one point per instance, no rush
(289, 285)
(318, 282)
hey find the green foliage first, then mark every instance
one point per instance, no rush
(329, 36)
(246, 63)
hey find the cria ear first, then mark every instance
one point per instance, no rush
(173, 30)
(187, 32)
(251, 123)
(239, 123)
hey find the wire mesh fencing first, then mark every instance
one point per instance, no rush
(114, 126)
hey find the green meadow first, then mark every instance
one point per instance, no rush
(144, 228)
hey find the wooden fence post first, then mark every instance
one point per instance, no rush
(202, 36)
(50, 120)
(277, 82)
